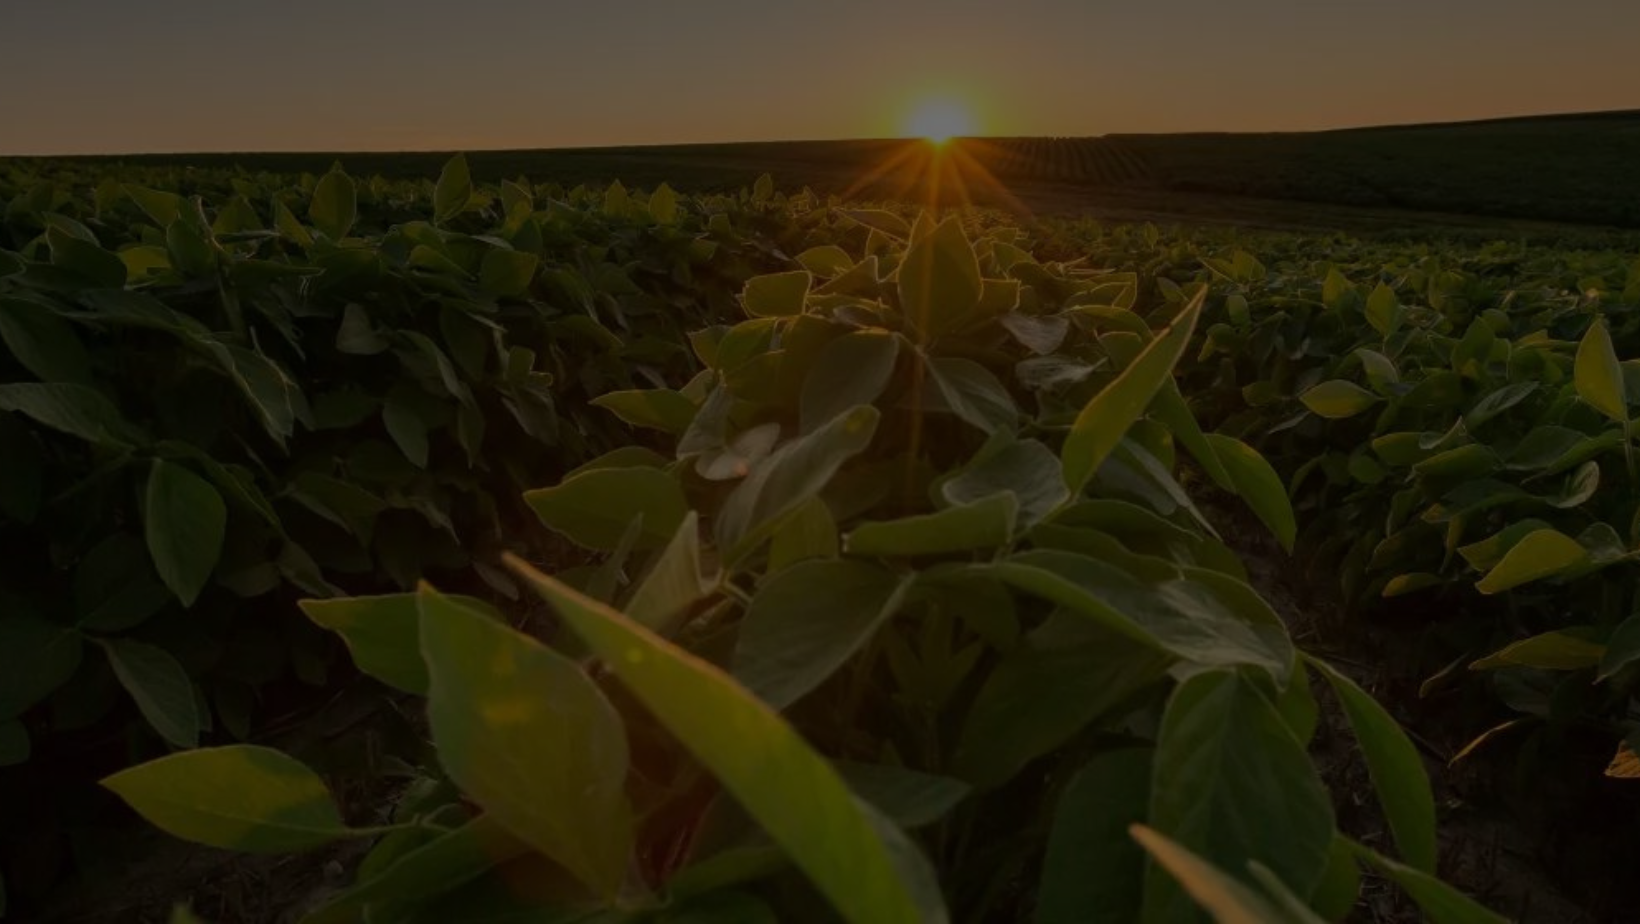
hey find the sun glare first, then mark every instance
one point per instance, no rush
(939, 121)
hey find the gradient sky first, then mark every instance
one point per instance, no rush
(98, 76)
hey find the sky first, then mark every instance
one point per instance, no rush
(133, 76)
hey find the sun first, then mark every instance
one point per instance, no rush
(939, 121)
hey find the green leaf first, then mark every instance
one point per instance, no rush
(507, 273)
(1622, 649)
(1062, 677)
(528, 736)
(970, 391)
(1440, 903)
(907, 797)
(784, 482)
(1338, 399)
(809, 532)
(594, 508)
(356, 336)
(1228, 900)
(185, 521)
(407, 428)
(73, 409)
(656, 408)
(241, 797)
(1104, 420)
(85, 258)
(44, 343)
(1540, 554)
(806, 621)
(428, 871)
(777, 294)
(1396, 770)
(674, 583)
(985, 524)
(1027, 469)
(1093, 873)
(791, 791)
(334, 206)
(454, 189)
(848, 371)
(1257, 483)
(381, 633)
(1570, 649)
(879, 220)
(162, 208)
(1598, 375)
(826, 260)
(1384, 310)
(36, 658)
(939, 281)
(161, 688)
(663, 205)
(1233, 784)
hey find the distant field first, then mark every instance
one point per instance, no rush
(1576, 169)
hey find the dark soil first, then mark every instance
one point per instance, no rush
(1556, 851)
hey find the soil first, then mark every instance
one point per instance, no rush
(1538, 858)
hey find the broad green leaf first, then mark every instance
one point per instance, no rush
(1598, 374)
(1104, 420)
(826, 260)
(907, 797)
(185, 521)
(663, 205)
(791, 791)
(1171, 411)
(809, 532)
(428, 871)
(356, 336)
(407, 429)
(656, 408)
(1622, 649)
(1093, 873)
(785, 481)
(1062, 677)
(242, 797)
(939, 281)
(36, 658)
(1257, 483)
(1227, 899)
(986, 524)
(674, 583)
(73, 409)
(1540, 554)
(528, 736)
(1440, 903)
(970, 391)
(507, 273)
(1383, 310)
(1340, 888)
(1396, 770)
(594, 508)
(1234, 785)
(1027, 469)
(381, 633)
(334, 206)
(806, 621)
(454, 188)
(1338, 399)
(1569, 649)
(848, 371)
(85, 258)
(44, 343)
(161, 207)
(160, 686)
(777, 294)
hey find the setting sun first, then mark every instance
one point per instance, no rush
(939, 121)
